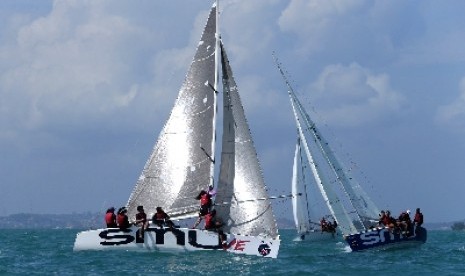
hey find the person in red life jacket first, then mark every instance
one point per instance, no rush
(110, 218)
(212, 223)
(205, 205)
(141, 221)
(161, 218)
(122, 218)
(418, 220)
(389, 221)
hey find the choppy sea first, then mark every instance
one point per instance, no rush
(47, 252)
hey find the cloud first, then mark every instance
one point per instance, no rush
(453, 114)
(316, 21)
(69, 63)
(352, 95)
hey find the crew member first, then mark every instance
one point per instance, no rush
(141, 221)
(110, 218)
(161, 218)
(205, 205)
(418, 220)
(122, 218)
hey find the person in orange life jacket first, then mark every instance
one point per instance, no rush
(418, 219)
(122, 218)
(161, 218)
(110, 218)
(388, 220)
(212, 223)
(205, 205)
(141, 220)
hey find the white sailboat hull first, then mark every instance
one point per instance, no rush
(178, 239)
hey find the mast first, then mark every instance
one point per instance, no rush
(215, 88)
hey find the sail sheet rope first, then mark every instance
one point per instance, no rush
(255, 199)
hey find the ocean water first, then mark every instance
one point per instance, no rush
(50, 252)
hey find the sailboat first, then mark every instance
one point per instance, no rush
(350, 206)
(182, 164)
(306, 220)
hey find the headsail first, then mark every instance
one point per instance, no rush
(240, 173)
(300, 206)
(180, 164)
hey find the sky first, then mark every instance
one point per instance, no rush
(86, 86)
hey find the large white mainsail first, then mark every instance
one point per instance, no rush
(181, 162)
(240, 177)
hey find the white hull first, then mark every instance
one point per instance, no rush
(318, 235)
(180, 239)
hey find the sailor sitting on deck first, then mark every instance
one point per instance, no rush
(110, 218)
(141, 220)
(404, 222)
(387, 220)
(122, 218)
(161, 218)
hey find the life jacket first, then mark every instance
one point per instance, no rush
(160, 216)
(205, 199)
(122, 221)
(208, 221)
(418, 218)
(141, 216)
(110, 219)
(386, 220)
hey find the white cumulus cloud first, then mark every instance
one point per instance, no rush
(353, 95)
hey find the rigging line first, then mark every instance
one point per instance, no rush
(208, 155)
(256, 199)
(207, 83)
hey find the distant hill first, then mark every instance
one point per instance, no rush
(90, 220)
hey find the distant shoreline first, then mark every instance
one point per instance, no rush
(88, 220)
